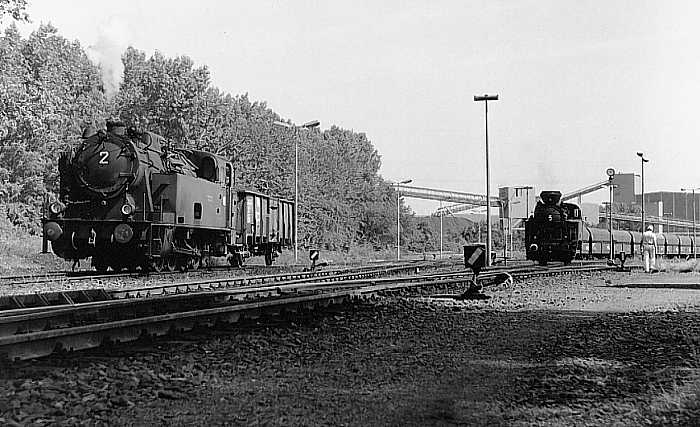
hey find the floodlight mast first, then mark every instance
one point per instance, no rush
(641, 155)
(486, 98)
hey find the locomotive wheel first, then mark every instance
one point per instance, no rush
(194, 263)
(155, 265)
(169, 263)
(100, 266)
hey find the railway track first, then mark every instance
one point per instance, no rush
(88, 275)
(91, 275)
(19, 280)
(71, 297)
(46, 300)
(125, 315)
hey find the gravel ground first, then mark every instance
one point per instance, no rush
(567, 350)
(605, 292)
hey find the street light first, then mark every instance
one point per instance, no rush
(611, 177)
(486, 98)
(685, 211)
(309, 125)
(685, 190)
(441, 215)
(641, 156)
(398, 217)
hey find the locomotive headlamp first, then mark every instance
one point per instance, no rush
(610, 172)
(57, 207)
(52, 231)
(123, 233)
(127, 209)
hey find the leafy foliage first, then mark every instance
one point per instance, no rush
(15, 9)
(49, 91)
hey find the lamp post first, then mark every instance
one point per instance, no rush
(441, 215)
(641, 156)
(685, 210)
(398, 217)
(309, 125)
(486, 98)
(695, 255)
(611, 177)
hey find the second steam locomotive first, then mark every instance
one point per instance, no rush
(129, 199)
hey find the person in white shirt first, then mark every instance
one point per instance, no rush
(649, 249)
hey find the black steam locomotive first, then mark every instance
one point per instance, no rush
(130, 199)
(551, 233)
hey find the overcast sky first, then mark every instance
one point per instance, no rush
(583, 85)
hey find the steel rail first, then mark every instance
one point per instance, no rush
(47, 276)
(88, 275)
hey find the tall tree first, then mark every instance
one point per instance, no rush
(15, 9)
(50, 91)
(166, 95)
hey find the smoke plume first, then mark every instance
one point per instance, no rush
(106, 53)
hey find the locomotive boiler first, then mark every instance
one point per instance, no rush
(129, 199)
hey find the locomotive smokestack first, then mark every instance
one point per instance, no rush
(550, 197)
(116, 127)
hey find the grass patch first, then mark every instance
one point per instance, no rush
(20, 251)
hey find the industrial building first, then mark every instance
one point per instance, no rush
(667, 206)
